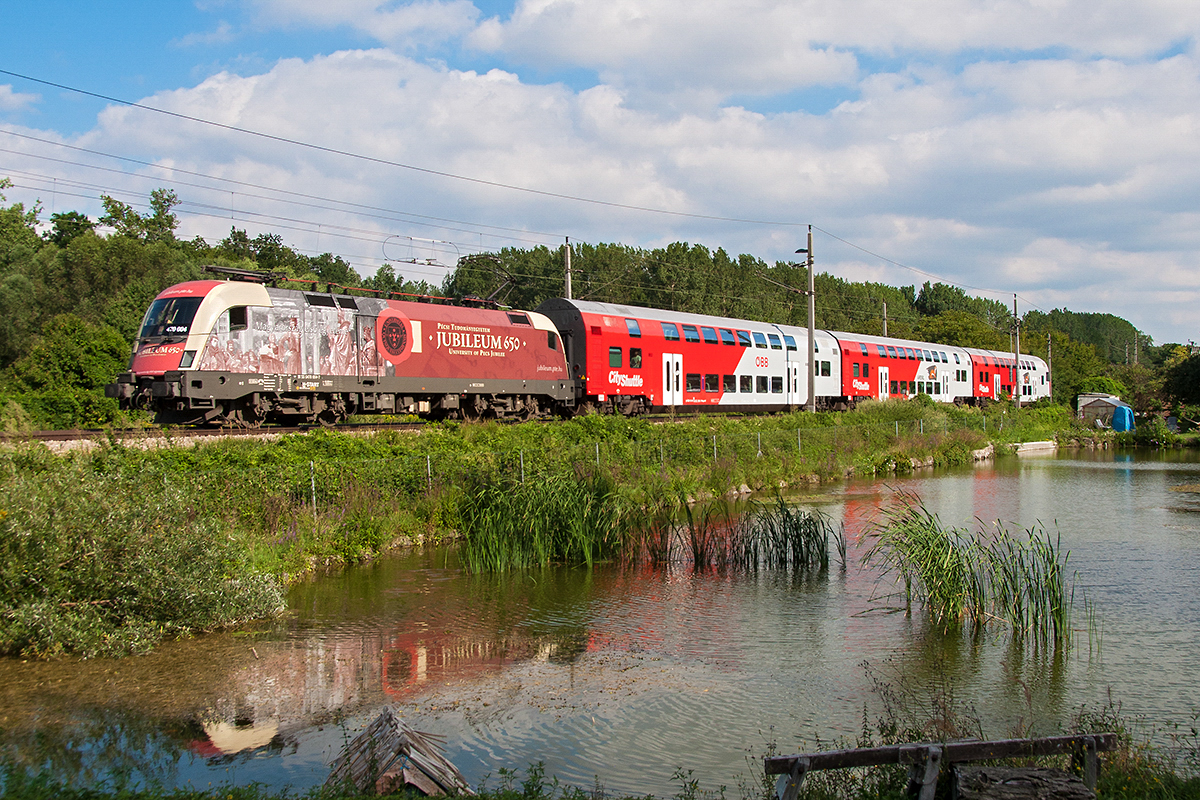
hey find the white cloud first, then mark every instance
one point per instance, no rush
(15, 101)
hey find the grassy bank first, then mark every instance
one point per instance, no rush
(110, 550)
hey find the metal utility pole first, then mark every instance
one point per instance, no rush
(1049, 366)
(567, 259)
(1016, 354)
(812, 316)
(885, 318)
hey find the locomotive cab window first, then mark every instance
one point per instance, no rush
(634, 329)
(710, 335)
(238, 318)
(635, 358)
(170, 316)
(670, 332)
(760, 340)
(727, 337)
(552, 340)
(614, 357)
(690, 334)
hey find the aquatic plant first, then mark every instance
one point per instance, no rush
(555, 519)
(987, 577)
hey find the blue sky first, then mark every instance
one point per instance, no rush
(1044, 148)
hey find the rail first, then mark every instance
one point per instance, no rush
(925, 760)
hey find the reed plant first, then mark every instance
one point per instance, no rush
(982, 578)
(552, 520)
(781, 535)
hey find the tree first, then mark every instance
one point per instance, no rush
(158, 226)
(1183, 380)
(961, 329)
(18, 228)
(67, 227)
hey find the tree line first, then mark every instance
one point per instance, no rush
(72, 299)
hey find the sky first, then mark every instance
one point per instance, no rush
(1048, 149)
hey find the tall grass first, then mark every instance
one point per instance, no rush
(554, 520)
(982, 578)
(770, 535)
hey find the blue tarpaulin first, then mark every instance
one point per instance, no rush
(1122, 419)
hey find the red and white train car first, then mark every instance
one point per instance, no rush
(631, 359)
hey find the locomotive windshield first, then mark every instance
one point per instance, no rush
(170, 316)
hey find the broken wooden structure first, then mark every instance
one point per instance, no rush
(925, 760)
(389, 755)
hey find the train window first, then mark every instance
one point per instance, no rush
(760, 383)
(863, 347)
(928, 355)
(513, 318)
(891, 352)
(911, 356)
(866, 370)
(238, 318)
(614, 357)
(903, 387)
(690, 334)
(882, 352)
(552, 340)
(956, 361)
(171, 316)
(760, 340)
(729, 384)
(635, 358)
(937, 387)
(320, 300)
(711, 384)
(670, 332)
(825, 369)
(776, 384)
(790, 341)
(745, 384)
(634, 329)
(919, 356)
(775, 343)
(693, 382)
(856, 370)
(348, 302)
(743, 338)
(894, 389)
(710, 335)
(816, 346)
(727, 337)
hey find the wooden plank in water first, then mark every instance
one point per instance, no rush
(389, 755)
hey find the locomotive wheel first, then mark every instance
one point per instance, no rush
(249, 413)
(334, 411)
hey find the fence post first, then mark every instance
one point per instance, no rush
(522, 466)
(799, 450)
(597, 454)
(429, 472)
(922, 426)
(714, 447)
(662, 460)
(760, 444)
(897, 429)
(312, 480)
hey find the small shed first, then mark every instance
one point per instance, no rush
(1105, 411)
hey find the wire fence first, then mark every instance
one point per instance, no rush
(664, 450)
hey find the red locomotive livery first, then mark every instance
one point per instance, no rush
(241, 352)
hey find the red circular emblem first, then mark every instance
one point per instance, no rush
(394, 335)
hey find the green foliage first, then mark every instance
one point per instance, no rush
(1182, 380)
(962, 329)
(1101, 384)
(96, 565)
(67, 227)
(1112, 337)
(157, 226)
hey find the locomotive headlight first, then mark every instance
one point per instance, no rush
(188, 357)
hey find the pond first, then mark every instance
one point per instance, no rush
(623, 675)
